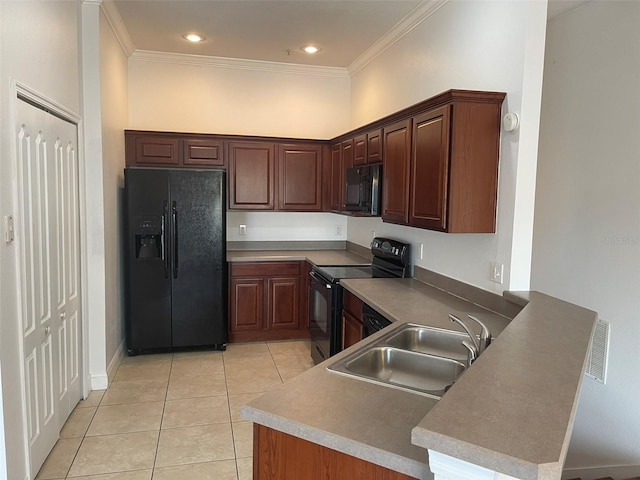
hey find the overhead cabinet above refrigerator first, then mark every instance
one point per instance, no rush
(176, 259)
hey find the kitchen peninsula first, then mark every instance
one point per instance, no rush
(512, 411)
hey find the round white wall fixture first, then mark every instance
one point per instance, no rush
(510, 121)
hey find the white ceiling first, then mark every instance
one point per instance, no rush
(274, 30)
(264, 29)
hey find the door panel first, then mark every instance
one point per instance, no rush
(68, 252)
(251, 175)
(49, 273)
(199, 283)
(336, 177)
(397, 151)
(284, 302)
(430, 169)
(148, 319)
(247, 304)
(300, 177)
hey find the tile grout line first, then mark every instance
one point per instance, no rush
(274, 362)
(83, 436)
(227, 362)
(164, 406)
(226, 387)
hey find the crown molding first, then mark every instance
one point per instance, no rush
(237, 64)
(117, 25)
(399, 31)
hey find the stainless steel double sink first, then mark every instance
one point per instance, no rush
(417, 358)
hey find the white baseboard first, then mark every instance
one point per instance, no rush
(115, 361)
(618, 472)
(99, 381)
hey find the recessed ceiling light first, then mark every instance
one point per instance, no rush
(310, 49)
(194, 37)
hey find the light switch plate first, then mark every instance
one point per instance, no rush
(243, 229)
(496, 271)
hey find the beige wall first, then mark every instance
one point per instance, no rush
(178, 93)
(587, 227)
(249, 98)
(461, 46)
(113, 62)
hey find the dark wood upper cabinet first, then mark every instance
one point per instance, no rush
(347, 162)
(395, 180)
(149, 149)
(251, 175)
(374, 146)
(336, 177)
(360, 150)
(300, 177)
(163, 149)
(202, 152)
(454, 166)
(473, 167)
(440, 160)
(430, 169)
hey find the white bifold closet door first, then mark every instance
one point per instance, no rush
(48, 237)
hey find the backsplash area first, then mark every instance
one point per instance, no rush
(286, 226)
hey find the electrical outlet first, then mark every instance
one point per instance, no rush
(420, 250)
(338, 230)
(243, 229)
(496, 271)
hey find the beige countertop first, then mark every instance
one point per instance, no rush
(317, 257)
(512, 411)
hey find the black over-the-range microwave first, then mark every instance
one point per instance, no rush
(363, 194)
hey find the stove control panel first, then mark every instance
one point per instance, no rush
(389, 248)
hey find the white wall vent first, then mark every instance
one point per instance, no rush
(597, 363)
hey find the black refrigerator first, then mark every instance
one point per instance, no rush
(176, 280)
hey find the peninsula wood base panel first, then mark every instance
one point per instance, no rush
(279, 456)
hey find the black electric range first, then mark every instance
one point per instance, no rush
(391, 259)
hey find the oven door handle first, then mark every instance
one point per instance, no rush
(319, 279)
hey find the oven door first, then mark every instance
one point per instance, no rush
(321, 294)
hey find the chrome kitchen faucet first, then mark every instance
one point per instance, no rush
(477, 346)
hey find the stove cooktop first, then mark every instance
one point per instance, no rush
(335, 273)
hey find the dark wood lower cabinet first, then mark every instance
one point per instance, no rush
(284, 302)
(279, 456)
(352, 330)
(267, 301)
(352, 321)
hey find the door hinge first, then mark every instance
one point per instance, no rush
(9, 233)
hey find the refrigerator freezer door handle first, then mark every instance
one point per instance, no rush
(163, 239)
(174, 224)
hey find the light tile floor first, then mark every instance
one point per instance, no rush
(174, 416)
